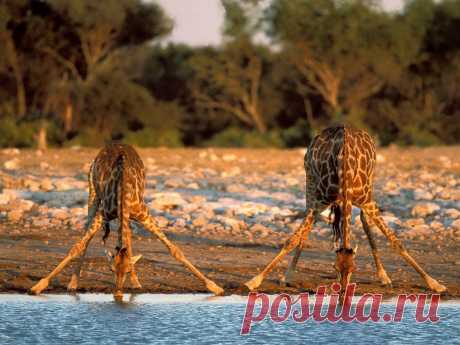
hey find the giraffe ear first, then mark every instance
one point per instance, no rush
(135, 259)
(355, 250)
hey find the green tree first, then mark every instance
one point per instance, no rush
(343, 50)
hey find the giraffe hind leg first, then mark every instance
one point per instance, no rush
(381, 273)
(371, 211)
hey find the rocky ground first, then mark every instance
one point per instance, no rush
(230, 211)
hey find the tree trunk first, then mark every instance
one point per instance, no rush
(41, 137)
(68, 117)
(257, 119)
(20, 89)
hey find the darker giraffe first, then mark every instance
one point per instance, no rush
(116, 190)
(339, 166)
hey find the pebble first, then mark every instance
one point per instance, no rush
(425, 209)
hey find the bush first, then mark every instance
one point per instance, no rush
(150, 137)
(298, 135)
(236, 137)
(13, 134)
(88, 137)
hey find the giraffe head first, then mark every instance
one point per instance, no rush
(345, 265)
(120, 265)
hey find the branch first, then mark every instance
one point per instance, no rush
(211, 103)
(63, 61)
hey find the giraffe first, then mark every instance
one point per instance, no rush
(339, 166)
(116, 190)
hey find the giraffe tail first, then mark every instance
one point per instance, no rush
(121, 196)
(339, 209)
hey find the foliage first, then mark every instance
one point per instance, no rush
(152, 137)
(236, 137)
(89, 71)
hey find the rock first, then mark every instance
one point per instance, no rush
(200, 221)
(33, 186)
(164, 201)
(251, 209)
(9, 195)
(41, 222)
(260, 230)
(232, 172)
(419, 230)
(15, 215)
(452, 213)
(11, 152)
(174, 183)
(162, 222)
(236, 188)
(411, 223)
(46, 185)
(229, 157)
(438, 226)
(455, 224)
(62, 185)
(291, 181)
(180, 222)
(420, 194)
(58, 213)
(231, 222)
(44, 165)
(425, 209)
(380, 158)
(193, 185)
(11, 164)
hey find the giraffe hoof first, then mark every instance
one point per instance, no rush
(135, 283)
(384, 279)
(214, 288)
(73, 284)
(39, 287)
(254, 283)
(435, 286)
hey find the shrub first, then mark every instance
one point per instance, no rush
(13, 134)
(88, 137)
(150, 137)
(298, 135)
(236, 137)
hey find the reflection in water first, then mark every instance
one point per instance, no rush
(192, 319)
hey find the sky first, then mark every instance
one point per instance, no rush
(199, 22)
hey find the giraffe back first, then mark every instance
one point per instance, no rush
(325, 167)
(105, 177)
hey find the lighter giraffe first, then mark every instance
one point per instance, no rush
(339, 166)
(116, 190)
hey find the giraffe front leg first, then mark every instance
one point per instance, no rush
(74, 252)
(149, 224)
(132, 274)
(287, 277)
(93, 206)
(381, 273)
(371, 211)
(289, 245)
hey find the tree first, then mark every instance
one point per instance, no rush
(334, 47)
(230, 82)
(12, 13)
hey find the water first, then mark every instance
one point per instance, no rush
(195, 319)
